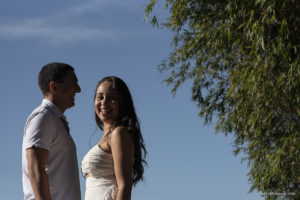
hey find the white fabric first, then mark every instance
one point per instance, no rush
(44, 129)
(101, 182)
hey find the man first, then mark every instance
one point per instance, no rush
(49, 161)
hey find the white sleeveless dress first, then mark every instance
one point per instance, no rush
(101, 183)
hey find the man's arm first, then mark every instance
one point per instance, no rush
(37, 159)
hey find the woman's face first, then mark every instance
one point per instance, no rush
(107, 103)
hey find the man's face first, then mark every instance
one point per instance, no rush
(67, 88)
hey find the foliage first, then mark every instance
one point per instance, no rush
(244, 60)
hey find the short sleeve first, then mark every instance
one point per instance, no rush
(40, 131)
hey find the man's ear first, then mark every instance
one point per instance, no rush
(52, 87)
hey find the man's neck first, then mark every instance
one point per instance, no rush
(55, 102)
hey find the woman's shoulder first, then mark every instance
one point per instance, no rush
(121, 133)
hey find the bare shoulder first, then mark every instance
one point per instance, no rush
(121, 134)
(120, 131)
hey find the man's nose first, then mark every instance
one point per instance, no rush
(77, 89)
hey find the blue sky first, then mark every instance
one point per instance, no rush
(187, 160)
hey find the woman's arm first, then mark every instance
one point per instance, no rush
(122, 148)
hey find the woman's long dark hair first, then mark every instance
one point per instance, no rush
(127, 118)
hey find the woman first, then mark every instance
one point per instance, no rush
(117, 161)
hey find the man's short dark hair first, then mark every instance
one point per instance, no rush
(52, 72)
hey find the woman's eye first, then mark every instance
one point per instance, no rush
(113, 99)
(99, 97)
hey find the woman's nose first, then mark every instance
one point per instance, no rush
(104, 101)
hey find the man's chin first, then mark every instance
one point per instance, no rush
(71, 105)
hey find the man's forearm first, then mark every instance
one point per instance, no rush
(37, 159)
(40, 184)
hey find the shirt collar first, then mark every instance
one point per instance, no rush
(53, 108)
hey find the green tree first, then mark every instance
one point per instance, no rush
(243, 58)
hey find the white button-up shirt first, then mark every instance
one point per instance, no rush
(44, 129)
